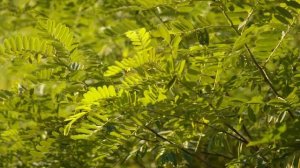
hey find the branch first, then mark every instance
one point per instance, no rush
(216, 154)
(235, 131)
(246, 131)
(145, 139)
(210, 126)
(160, 19)
(215, 128)
(256, 148)
(261, 70)
(280, 41)
(249, 15)
(179, 147)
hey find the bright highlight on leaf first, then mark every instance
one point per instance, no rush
(139, 38)
(23, 44)
(149, 83)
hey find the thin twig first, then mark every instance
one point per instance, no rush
(249, 15)
(179, 147)
(145, 139)
(204, 152)
(235, 131)
(246, 131)
(256, 148)
(210, 126)
(261, 70)
(215, 128)
(279, 43)
(160, 19)
(215, 154)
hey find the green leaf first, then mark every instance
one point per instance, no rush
(282, 19)
(19, 43)
(80, 136)
(243, 39)
(7, 44)
(284, 12)
(164, 33)
(115, 134)
(180, 67)
(251, 114)
(139, 38)
(293, 4)
(203, 37)
(172, 82)
(59, 32)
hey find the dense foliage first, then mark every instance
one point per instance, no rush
(149, 83)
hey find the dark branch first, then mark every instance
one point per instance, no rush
(235, 131)
(179, 147)
(260, 68)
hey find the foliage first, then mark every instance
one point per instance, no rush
(156, 83)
